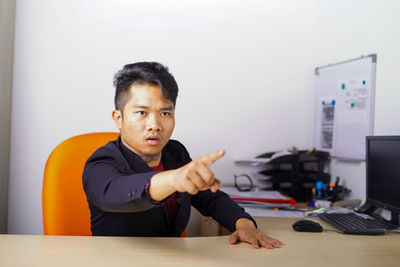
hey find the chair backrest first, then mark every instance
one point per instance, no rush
(64, 204)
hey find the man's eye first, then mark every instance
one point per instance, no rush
(165, 114)
(141, 113)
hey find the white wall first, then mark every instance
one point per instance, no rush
(245, 71)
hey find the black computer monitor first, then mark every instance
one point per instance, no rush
(383, 175)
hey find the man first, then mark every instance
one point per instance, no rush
(143, 183)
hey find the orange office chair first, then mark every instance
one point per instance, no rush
(64, 204)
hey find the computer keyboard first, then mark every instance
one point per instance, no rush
(356, 225)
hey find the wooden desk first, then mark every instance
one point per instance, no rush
(301, 249)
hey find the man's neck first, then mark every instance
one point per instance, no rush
(152, 160)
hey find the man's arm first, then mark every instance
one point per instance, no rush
(191, 178)
(196, 176)
(108, 188)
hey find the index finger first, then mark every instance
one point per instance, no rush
(213, 157)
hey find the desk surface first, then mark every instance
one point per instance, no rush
(301, 249)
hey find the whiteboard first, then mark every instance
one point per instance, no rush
(344, 106)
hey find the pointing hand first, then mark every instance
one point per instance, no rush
(196, 175)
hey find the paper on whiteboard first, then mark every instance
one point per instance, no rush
(354, 94)
(351, 120)
(326, 123)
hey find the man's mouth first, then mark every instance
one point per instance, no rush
(153, 141)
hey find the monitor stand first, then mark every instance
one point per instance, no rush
(369, 208)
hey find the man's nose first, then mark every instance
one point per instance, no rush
(153, 123)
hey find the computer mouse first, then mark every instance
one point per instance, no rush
(307, 226)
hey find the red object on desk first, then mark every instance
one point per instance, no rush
(290, 201)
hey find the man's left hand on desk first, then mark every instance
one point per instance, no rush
(246, 232)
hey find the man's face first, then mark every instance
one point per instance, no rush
(147, 122)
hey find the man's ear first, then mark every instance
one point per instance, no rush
(117, 117)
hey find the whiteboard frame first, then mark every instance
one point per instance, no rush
(370, 112)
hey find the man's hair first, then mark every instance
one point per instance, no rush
(142, 73)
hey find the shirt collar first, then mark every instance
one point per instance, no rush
(134, 160)
(138, 164)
